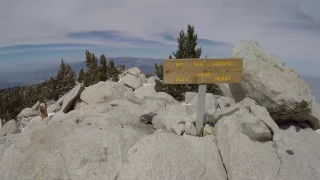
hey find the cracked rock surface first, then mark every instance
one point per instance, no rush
(253, 147)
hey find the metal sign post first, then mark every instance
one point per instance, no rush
(202, 88)
(202, 72)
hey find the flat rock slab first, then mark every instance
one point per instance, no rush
(168, 156)
(72, 146)
(103, 92)
(70, 98)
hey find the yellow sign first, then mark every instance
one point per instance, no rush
(202, 71)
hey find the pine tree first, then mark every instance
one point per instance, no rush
(88, 59)
(92, 73)
(81, 75)
(64, 81)
(159, 70)
(86, 76)
(113, 72)
(103, 68)
(186, 48)
(122, 68)
(94, 70)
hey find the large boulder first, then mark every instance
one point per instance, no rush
(224, 88)
(70, 98)
(73, 146)
(29, 112)
(168, 156)
(152, 79)
(9, 127)
(134, 71)
(225, 102)
(54, 108)
(175, 114)
(253, 147)
(128, 106)
(143, 78)
(103, 92)
(6, 142)
(230, 110)
(36, 106)
(132, 81)
(26, 121)
(130, 96)
(314, 116)
(60, 100)
(211, 104)
(143, 91)
(272, 85)
(156, 102)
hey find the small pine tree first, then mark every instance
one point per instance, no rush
(81, 75)
(94, 70)
(103, 68)
(92, 73)
(86, 76)
(113, 72)
(64, 81)
(88, 59)
(159, 70)
(122, 68)
(186, 48)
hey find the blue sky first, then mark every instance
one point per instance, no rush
(37, 33)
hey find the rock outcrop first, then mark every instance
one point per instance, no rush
(167, 156)
(70, 98)
(132, 81)
(272, 85)
(152, 79)
(9, 127)
(254, 142)
(103, 92)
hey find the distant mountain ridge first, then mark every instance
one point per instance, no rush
(26, 78)
(146, 65)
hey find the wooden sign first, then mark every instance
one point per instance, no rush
(202, 71)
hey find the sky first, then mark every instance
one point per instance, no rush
(37, 33)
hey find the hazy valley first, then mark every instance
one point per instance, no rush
(146, 65)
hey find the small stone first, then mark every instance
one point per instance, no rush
(147, 118)
(178, 129)
(207, 130)
(190, 129)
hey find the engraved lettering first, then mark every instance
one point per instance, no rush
(222, 78)
(203, 74)
(198, 64)
(221, 63)
(182, 79)
(179, 64)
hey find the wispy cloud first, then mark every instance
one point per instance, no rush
(289, 29)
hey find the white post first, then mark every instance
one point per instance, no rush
(201, 106)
